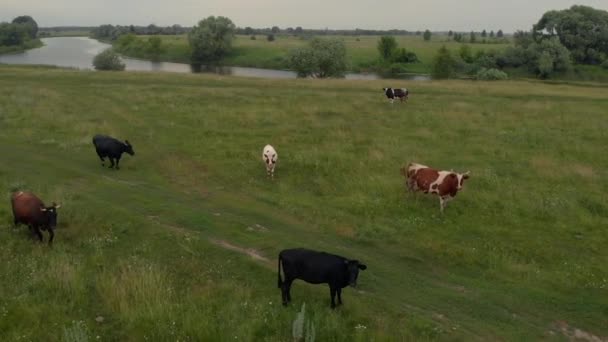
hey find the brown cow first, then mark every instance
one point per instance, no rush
(29, 210)
(445, 184)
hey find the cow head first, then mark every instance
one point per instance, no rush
(353, 267)
(461, 178)
(270, 158)
(129, 148)
(50, 215)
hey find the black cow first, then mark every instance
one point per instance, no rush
(317, 268)
(401, 93)
(112, 148)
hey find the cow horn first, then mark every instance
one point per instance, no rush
(57, 206)
(467, 173)
(42, 209)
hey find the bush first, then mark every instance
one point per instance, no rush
(397, 68)
(108, 60)
(322, 58)
(404, 56)
(270, 37)
(252, 38)
(491, 75)
(605, 64)
(443, 65)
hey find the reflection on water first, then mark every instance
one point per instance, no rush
(78, 52)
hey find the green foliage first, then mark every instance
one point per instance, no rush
(491, 75)
(155, 47)
(427, 35)
(211, 39)
(484, 34)
(108, 60)
(499, 34)
(19, 32)
(386, 47)
(404, 56)
(275, 29)
(605, 64)
(443, 65)
(322, 58)
(252, 37)
(582, 30)
(472, 37)
(466, 53)
(29, 23)
(270, 37)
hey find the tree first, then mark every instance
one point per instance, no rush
(492, 34)
(443, 64)
(275, 29)
(484, 34)
(451, 33)
(466, 54)
(298, 30)
(321, 58)
(499, 34)
(108, 60)
(211, 39)
(581, 29)
(427, 35)
(472, 37)
(29, 23)
(248, 30)
(270, 37)
(387, 46)
(155, 48)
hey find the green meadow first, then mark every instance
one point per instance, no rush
(181, 243)
(362, 50)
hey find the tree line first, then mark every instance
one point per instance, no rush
(553, 45)
(20, 31)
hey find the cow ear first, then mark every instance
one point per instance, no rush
(127, 142)
(362, 267)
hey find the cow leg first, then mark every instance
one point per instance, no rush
(51, 236)
(443, 201)
(103, 162)
(38, 233)
(111, 162)
(286, 290)
(339, 296)
(332, 294)
(117, 161)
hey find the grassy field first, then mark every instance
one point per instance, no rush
(162, 249)
(362, 51)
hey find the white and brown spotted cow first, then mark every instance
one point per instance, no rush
(270, 157)
(445, 184)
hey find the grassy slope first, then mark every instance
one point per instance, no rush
(522, 248)
(264, 54)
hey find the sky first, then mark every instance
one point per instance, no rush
(436, 15)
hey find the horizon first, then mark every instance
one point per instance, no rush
(434, 15)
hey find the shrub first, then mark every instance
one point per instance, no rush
(322, 58)
(211, 39)
(443, 65)
(404, 56)
(605, 64)
(491, 75)
(397, 68)
(108, 60)
(252, 38)
(270, 37)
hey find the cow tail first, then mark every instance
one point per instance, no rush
(280, 281)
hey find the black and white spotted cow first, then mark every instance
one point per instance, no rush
(392, 93)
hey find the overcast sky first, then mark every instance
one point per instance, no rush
(463, 15)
